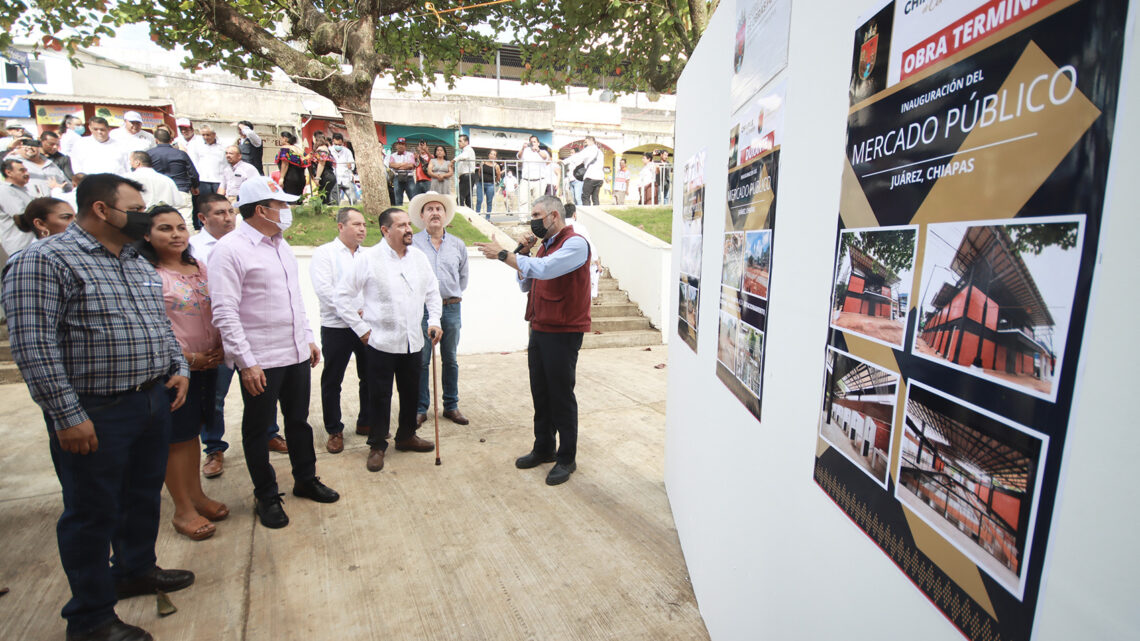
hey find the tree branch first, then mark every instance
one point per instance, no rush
(233, 24)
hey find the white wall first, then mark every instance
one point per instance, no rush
(770, 556)
(638, 260)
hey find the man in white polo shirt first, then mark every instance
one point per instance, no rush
(131, 136)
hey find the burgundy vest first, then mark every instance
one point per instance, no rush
(560, 304)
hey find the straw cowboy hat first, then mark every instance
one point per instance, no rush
(416, 207)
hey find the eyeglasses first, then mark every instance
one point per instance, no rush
(142, 210)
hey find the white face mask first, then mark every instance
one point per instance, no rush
(286, 216)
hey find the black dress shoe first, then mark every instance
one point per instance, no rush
(314, 490)
(560, 473)
(271, 513)
(113, 630)
(156, 579)
(533, 460)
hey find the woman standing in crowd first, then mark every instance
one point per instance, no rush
(292, 163)
(70, 131)
(440, 171)
(489, 175)
(43, 217)
(187, 298)
(324, 170)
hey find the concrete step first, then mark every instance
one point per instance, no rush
(9, 373)
(606, 297)
(636, 338)
(620, 324)
(5, 351)
(614, 309)
(607, 284)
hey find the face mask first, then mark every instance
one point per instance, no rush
(338, 147)
(137, 225)
(286, 216)
(537, 227)
(80, 130)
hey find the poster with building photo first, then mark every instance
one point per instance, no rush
(753, 172)
(978, 142)
(692, 237)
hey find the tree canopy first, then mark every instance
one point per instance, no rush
(893, 248)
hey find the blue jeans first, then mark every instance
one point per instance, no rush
(403, 186)
(576, 191)
(214, 431)
(484, 190)
(111, 500)
(450, 322)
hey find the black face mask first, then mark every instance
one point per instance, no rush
(537, 228)
(137, 225)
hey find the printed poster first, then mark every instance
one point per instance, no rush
(54, 114)
(114, 115)
(761, 51)
(692, 237)
(978, 143)
(753, 172)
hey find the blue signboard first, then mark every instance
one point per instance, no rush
(14, 103)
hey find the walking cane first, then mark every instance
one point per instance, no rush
(435, 401)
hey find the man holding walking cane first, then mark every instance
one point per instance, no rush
(397, 283)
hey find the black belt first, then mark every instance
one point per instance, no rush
(142, 387)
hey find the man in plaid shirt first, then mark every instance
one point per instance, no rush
(91, 337)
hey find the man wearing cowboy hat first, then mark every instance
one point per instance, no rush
(397, 283)
(447, 254)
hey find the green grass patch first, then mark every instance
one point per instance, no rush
(315, 224)
(656, 220)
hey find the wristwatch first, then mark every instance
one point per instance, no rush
(503, 254)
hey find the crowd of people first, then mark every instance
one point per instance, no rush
(128, 323)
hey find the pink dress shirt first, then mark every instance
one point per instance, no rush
(187, 299)
(257, 300)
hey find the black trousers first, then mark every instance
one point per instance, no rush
(290, 385)
(553, 361)
(465, 182)
(590, 189)
(382, 368)
(340, 343)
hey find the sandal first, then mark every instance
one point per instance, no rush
(218, 514)
(200, 533)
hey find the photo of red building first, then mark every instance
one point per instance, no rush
(873, 278)
(983, 308)
(859, 412)
(973, 478)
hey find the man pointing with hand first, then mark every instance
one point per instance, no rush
(397, 283)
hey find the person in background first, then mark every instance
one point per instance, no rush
(250, 146)
(69, 196)
(397, 284)
(403, 164)
(131, 136)
(70, 131)
(621, 182)
(235, 173)
(591, 158)
(331, 264)
(557, 281)
(666, 177)
(323, 169)
(511, 190)
(97, 153)
(345, 168)
(209, 158)
(259, 310)
(14, 197)
(489, 173)
(423, 160)
(447, 255)
(187, 138)
(186, 296)
(43, 175)
(293, 162)
(42, 217)
(158, 189)
(176, 165)
(533, 176)
(15, 132)
(440, 171)
(108, 403)
(465, 169)
(49, 145)
(647, 180)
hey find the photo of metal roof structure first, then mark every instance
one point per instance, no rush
(858, 412)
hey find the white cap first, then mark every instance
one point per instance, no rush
(132, 116)
(182, 122)
(259, 188)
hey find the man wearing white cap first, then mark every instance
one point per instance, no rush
(447, 254)
(260, 313)
(131, 136)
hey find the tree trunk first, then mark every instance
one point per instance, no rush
(369, 154)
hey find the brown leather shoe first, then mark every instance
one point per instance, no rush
(336, 443)
(278, 444)
(456, 416)
(362, 430)
(414, 444)
(421, 419)
(212, 469)
(375, 460)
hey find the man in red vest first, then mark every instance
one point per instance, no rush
(557, 280)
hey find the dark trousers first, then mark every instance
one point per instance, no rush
(590, 189)
(290, 385)
(465, 182)
(382, 368)
(111, 500)
(553, 360)
(423, 187)
(214, 431)
(339, 343)
(402, 186)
